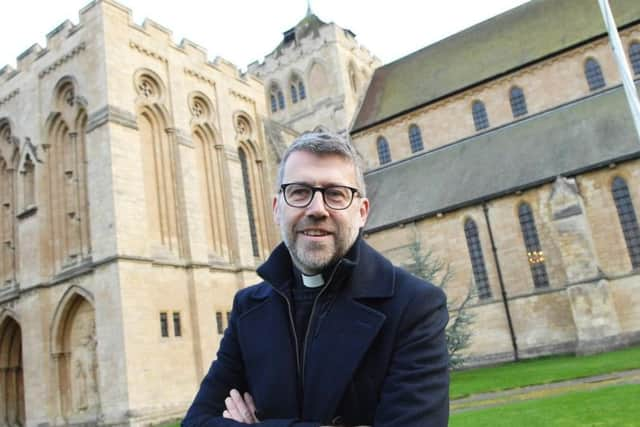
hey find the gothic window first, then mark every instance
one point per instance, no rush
(518, 102)
(301, 90)
(280, 100)
(535, 255)
(164, 324)
(277, 98)
(248, 193)
(210, 166)
(8, 249)
(384, 155)
(634, 56)
(297, 89)
(628, 219)
(28, 183)
(415, 139)
(477, 259)
(479, 113)
(219, 324)
(12, 410)
(65, 172)
(250, 154)
(177, 326)
(157, 150)
(593, 73)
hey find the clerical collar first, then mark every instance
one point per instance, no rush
(314, 281)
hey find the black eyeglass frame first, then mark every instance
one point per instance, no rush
(322, 190)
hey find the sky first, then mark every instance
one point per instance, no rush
(243, 31)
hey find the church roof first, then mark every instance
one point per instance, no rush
(503, 44)
(583, 135)
(309, 25)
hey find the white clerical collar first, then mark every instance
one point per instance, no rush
(312, 281)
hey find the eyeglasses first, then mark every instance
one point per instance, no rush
(299, 195)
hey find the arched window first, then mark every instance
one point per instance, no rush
(210, 164)
(280, 100)
(65, 168)
(248, 193)
(628, 219)
(384, 155)
(535, 255)
(593, 73)
(12, 410)
(297, 89)
(480, 118)
(277, 98)
(477, 259)
(415, 139)
(634, 57)
(518, 102)
(28, 183)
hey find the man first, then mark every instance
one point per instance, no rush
(335, 335)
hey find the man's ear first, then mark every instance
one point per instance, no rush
(364, 211)
(275, 207)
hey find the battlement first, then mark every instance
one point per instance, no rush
(56, 38)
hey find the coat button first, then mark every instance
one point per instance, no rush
(337, 420)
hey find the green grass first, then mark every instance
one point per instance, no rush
(610, 406)
(541, 371)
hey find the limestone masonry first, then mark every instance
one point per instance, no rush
(136, 179)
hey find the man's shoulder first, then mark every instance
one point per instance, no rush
(251, 296)
(258, 291)
(419, 289)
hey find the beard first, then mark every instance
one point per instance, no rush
(313, 257)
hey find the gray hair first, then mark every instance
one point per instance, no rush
(325, 143)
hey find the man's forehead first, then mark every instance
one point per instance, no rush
(304, 158)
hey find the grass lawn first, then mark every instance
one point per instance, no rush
(541, 371)
(609, 406)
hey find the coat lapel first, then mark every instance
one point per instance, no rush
(341, 340)
(269, 357)
(341, 337)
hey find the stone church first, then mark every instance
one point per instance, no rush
(136, 178)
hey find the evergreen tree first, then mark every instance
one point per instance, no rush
(422, 263)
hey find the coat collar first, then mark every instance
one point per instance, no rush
(372, 275)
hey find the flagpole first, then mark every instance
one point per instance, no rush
(623, 67)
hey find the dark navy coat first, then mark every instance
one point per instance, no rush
(375, 353)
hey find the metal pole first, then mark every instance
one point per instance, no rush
(505, 302)
(623, 66)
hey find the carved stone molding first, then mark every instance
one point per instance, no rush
(111, 114)
(147, 52)
(9, 97)
(199, 76)
(65, 58)
(242, 97)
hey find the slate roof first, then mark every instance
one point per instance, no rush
(505, 43)
(573, 138)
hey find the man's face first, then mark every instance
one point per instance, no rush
(317, 235)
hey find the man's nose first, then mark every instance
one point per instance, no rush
(317, 206)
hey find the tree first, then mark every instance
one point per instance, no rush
(422, 263)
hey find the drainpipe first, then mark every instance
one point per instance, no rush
(514, 343)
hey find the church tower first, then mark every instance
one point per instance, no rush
(316, 77)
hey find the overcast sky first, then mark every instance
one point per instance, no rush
(243, 31)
